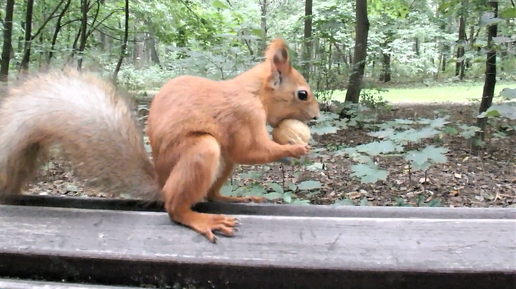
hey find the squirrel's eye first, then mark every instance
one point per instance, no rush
(302, 94)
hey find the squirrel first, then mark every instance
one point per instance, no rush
(198, 130)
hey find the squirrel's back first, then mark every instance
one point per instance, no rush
(93, 125)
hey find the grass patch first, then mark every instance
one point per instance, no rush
(451, 93)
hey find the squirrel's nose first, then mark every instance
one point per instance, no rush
(315, 117)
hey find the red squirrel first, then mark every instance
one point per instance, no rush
(198, 130)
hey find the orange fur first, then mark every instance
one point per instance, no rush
(199, 128)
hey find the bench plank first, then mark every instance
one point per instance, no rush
(144, 248)
(28, 284)
(267, 209)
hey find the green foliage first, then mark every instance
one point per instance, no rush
(506, 108)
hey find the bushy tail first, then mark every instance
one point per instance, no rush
(92, 124)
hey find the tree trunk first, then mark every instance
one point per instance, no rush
(386, 67)
(308, 35)
(56, 30)
(385, 75)
(28, 37)
(263, 10)
(471, 43)
(6, 47)
(360, 53)
(443, 57)
(490, 78)
(124, 44)
(102, 35)
(459, 65)
(154, 53)
(83, 31)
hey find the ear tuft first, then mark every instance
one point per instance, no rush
(277, 53)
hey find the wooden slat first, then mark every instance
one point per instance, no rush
(143, 248)
(29, 284)
(268, 209)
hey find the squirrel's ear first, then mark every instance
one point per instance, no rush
(277, 55)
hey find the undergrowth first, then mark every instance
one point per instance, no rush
(418, 144)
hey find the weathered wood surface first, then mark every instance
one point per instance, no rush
(268, 209)
(29, 284)
(137, 248)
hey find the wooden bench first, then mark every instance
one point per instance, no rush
(128, 243)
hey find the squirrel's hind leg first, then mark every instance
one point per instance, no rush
(192, 176)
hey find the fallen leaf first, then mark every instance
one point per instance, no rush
(454, 193)
(354, 195)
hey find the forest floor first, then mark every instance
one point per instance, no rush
(487, 179)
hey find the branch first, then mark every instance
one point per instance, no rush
(69, 22)
(94, 19)
(195, 14)
(98, 24)
(46, 21)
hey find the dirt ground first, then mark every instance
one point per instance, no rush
(484, 180)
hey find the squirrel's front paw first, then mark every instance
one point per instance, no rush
(299, 150)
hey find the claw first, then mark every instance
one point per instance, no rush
(206, 224)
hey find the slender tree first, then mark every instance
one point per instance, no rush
(83, 32)
(6, 47)
(460, 63)
(490, 73)
(124, 44)
(308, 35)
(360, 53)
(28, 36)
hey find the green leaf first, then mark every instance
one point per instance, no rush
(382, 133)
(251, 175)
(291, 186)
(315, 167)
(376, 148)
(439, 122)
(416, 158)
(400, 202)
(273, 196)
(344, 202)
(436, 154)
(323, 129)
(451, 130)
(309, 185)
(468, 131)
(508, 13)
(368, 173)
(287, 197)
(255, 190)
(403, 121)
(72, 188)
(277, 188)
(505, 110)
(226, 190)
(300, 202)
(363, 202)
(488, 19)
(508, 93)
(434, 203)
(420, 200)
(421, 160)
(219, 4)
